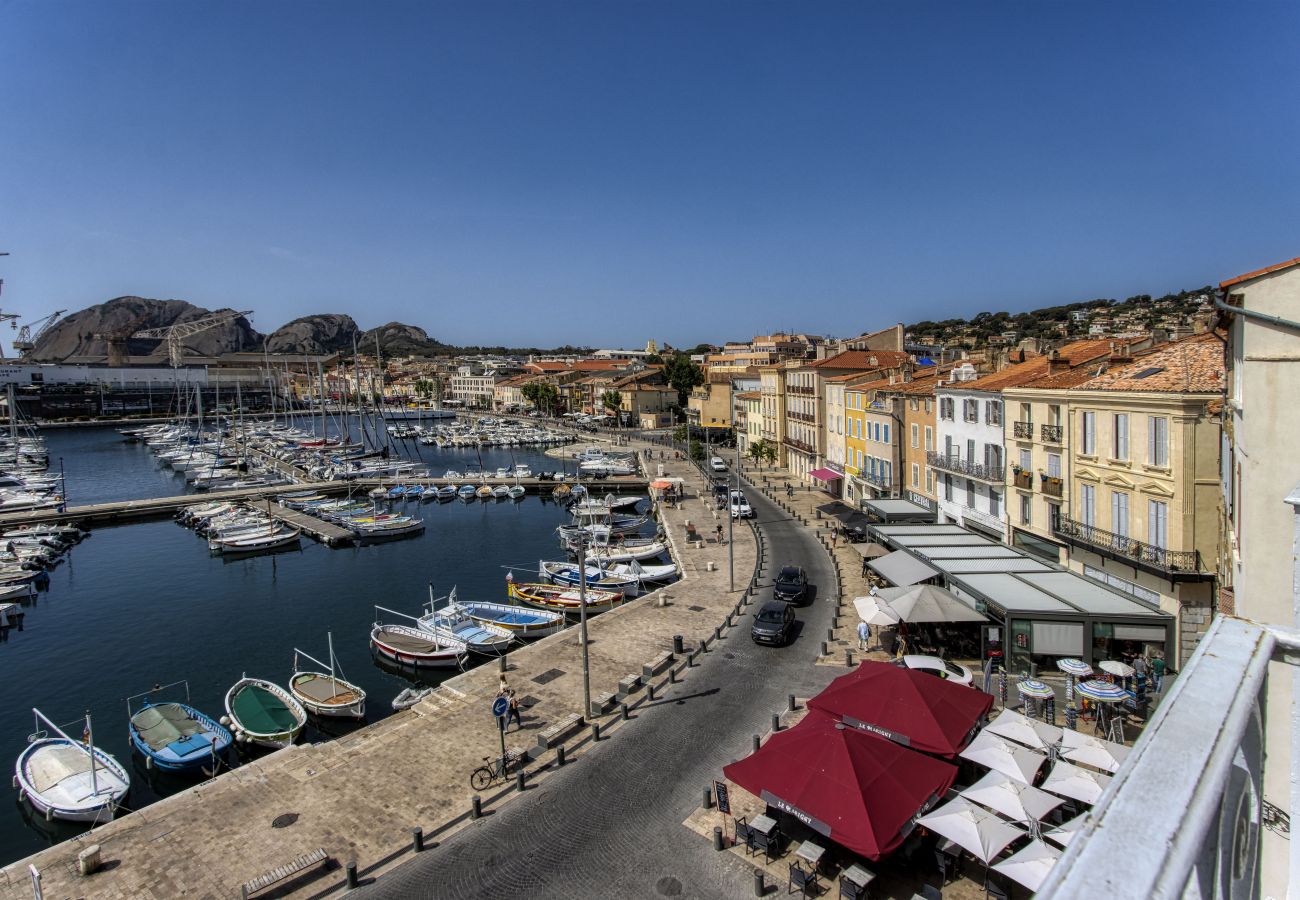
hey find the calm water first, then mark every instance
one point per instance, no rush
(138, 605)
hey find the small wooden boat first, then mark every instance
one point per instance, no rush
(566, 573)
(176, 737)
(326, 695)
(518, 620)
(446, 492)
(410, 646)
(451, 621)
(561, 491)
(372, 532)
(516, 492)
(263, 713)
(262, 542)
(620, 553)
(635, 570)
(562, 598)
(68, 779)
(501, 492)
(484, 492)
(466, 492)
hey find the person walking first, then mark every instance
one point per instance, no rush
(864, 567)
(719, 533)
(1158, 673)
(864, 635)
(512, 712)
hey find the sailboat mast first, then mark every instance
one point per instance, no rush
(13, 417)
(90, 745)
(437, 645)
(324, 426)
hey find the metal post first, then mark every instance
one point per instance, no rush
(521, 780)
(708, 797)
(476, 807)
(776, 722)
(559, 755)
(717, 838)
(760, 888)
(757, 743)
(582, 623)
(417, 838)
(595, 732)
(790, 702)
(352, 879)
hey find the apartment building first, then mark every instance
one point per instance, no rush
(1144, 481)
(918, 436)
(1259, 477)
(861, 467)
(749, 419)
(772, 404)
(971, 457)
(1038, 454)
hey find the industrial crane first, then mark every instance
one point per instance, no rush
(174, 335)
(25, 341)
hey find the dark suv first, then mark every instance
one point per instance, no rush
(773, 624)
(791, 585)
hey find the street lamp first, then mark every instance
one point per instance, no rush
(582, 623)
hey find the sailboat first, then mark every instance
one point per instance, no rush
(68, 779)
(412, 646)
(563, 598)
(454, 621)
(326, 695)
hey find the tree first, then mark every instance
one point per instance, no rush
(542, 395)
(612, 401)
(683, 376)
(424, 387)
(697, 450)
(769, 452)
(681, 433)
(758, 451)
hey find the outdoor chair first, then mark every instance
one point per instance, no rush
(947, 866)
(746, 835)
(802, 880)
(995, 891)
(768, 843)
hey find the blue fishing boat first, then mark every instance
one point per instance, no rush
(396, 493)
(176, 737)
(521, 622)
(414, 492)
(450, 620)
(467, 492)
(446, 492)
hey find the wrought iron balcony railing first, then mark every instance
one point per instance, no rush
(1023, 430)
(1134, 552)
(799, 445)
(801, 417)
(954, 463)
(798, 389)
(1053, 434)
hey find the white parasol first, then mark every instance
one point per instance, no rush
(1011, 798)
(976, 830)
(1067, 780)
(873, 612)
(1030, 864)
(1064, 833)
(1024, 730)
(1091, 751)
(1004, 756)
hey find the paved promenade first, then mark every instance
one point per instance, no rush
(357, 797)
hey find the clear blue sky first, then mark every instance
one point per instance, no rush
(535, 173)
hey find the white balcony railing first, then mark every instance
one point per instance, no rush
(1183, 817)
(987, 519)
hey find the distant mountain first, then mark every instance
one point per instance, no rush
(75, 335)
(397, 339)
(321, 333)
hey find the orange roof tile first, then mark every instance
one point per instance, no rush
(1250, 276)
(1020, 374)
(1194, 365)
(863, 359)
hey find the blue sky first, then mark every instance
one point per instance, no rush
(603, 173)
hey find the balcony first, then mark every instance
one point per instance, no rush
(1182, 565)
(991, 522)
(1053, 434)
(1051, 485)
(799, 445)
(1023, 479)
(802, 417)
(959, 466)
(799, 389)
(1023, 431)
(1185, 815)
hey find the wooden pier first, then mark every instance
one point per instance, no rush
(326, 532)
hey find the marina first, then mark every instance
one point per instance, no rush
(251, 611)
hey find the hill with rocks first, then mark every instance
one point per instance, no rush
(75, 336)
(321, 333)
(397, 339)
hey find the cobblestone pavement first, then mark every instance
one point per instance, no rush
(610, 825)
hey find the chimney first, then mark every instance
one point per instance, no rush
(1055, 363)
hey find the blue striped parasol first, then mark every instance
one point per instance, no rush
(1032, 687)
(1101, 691)
(1076, 667)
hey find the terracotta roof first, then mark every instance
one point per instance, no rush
(1194, 365)
(1020, 374)
(878, 385)
(1250, 276)
(863, 359)
(548, 366)
(749, 395)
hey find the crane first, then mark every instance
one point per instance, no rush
(25, 342)
(174, 335)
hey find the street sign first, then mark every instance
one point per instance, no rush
(724, 798)
(500, 706)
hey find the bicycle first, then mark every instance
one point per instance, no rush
(494, 769)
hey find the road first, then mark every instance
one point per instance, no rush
(609, 824)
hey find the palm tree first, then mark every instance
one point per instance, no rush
(612, 401)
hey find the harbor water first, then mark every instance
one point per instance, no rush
(137, 605)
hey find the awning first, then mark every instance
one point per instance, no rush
(825, 474)
(872, 550)
(901, 568)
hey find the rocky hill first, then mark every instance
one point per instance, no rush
(322, 333)
(396, 339)
(75, 336)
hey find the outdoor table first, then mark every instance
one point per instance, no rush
(854, 881)
(763, 824)
(810, 852)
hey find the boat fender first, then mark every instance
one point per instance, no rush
(148, 762)
(14, 782)
(225, 720)
(49, 813)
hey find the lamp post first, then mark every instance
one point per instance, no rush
(582, 624)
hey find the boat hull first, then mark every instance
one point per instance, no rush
(247, 732)
(98, 811)
(354, 708)
(198, 761)
(383, 640)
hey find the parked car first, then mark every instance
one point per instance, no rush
(773, 624)
(740, 508)
(717, 465)
(791, 585)
(940, 668)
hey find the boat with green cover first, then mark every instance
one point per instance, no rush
(263, 713)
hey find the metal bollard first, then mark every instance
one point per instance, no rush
(677, 643)
(825, 651)
(790, 703)
(757, 743)
(672, 676)
(417, 838)
(717, 838)
(595, 732)
(521, 781)
(848, 658)
(760, 888)
(476, 807)
(559, 756)
(830, 634)
(501, 663)
(707, 802)
(351, 874)
(717, 633)
(622, 708)
(650, 691)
